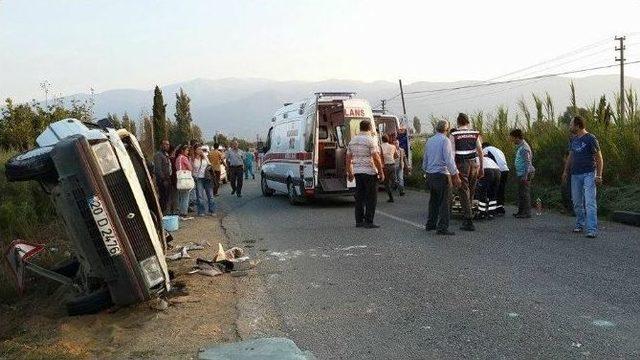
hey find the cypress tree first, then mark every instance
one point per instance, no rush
(159, 118)
(183, 117)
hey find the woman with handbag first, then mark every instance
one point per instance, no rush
(203, 173)
(184, 181)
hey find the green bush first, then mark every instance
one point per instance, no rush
(25, 213)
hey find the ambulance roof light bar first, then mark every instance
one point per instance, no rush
(337, 94)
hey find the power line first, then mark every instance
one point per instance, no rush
(518, 80)
(559, 57)
(435, 96)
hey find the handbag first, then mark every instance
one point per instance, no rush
(184, 180)
(208, 173)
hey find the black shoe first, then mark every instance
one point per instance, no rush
(445, 232)
(390, 200)
(233, 192)
(359, 225)
(467, 226)
(429, 228)
(370, 226)
(239, 195)
(516, 214)
(401, 193)
(522, 216)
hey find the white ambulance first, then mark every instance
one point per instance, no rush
(305, 150)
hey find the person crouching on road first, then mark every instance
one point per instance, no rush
(585, 165)
(235, 163)
(203, 174)
(439, 164)
(487, 191)
(498, 157)
(364, 164)
(389, 155)
(524, 172)
(467, 147)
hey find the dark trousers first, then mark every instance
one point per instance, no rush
(504, 177)
(468, 175)
(439, 212)
(366, 197)
(389, 178)
(235, 178)
(524, 196)
(164, 192)
(487, 191)
(216, 182)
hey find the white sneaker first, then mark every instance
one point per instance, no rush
(184, 218)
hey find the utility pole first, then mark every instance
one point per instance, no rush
(621, 59)
(404, 108)
(383, 102)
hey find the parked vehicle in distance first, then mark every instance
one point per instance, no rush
(101, 188)
(305, 151)
(391, 125)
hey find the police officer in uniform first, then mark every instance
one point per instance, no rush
(467, 147)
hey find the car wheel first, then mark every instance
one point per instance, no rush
(34, 164)
(89, 304)
(265, 188)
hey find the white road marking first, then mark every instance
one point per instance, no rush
(400, 219)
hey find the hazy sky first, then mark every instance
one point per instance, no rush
(106, 44)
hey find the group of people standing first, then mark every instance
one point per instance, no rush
(457, 158)
(206, 167)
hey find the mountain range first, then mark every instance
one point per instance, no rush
(243, 106)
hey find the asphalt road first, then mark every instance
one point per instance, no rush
(512, 289)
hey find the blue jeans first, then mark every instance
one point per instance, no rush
(183, 202)
(400, 178)
(583, 195)
(248, 170)
(204, 188)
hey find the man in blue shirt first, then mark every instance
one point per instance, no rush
(524, 172)
(439, 164)
(585, 165)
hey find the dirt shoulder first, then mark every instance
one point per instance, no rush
(38, 328)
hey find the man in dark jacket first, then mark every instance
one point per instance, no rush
(162, 170)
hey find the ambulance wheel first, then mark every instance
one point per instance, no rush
(264, 187)
(294, 199)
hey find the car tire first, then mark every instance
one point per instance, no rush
(34, 164)
(265, 188)
(89, 304)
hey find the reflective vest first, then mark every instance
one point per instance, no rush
(466, 141)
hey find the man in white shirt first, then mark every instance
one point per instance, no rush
(364, 164)
(498, 157)
(389, 156)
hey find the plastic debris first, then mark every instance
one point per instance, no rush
(576, 345)
(183, 253)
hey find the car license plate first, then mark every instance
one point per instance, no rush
(104, 226)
